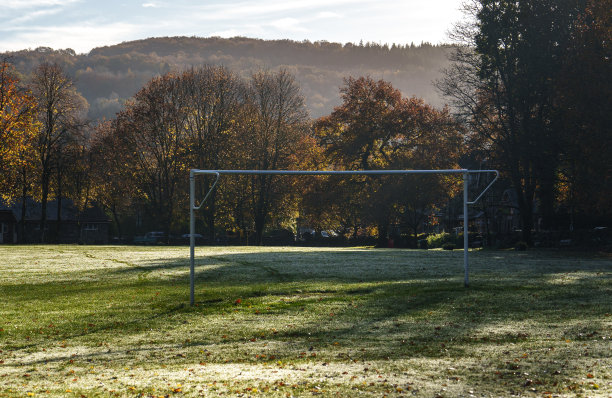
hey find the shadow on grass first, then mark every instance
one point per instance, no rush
(414, 305)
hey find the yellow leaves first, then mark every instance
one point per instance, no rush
(16, 124)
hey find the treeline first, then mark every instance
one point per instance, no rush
(530, 87)
(108, 76)
(210, 118)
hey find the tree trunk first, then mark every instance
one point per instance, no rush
(526, 212)
(43, 205)
(116, 217)
(24, 196)
(259, 227)
(23, 216)
(383, 238)
(261, 208)
(527, 218)
(547, 200)
(58, 227)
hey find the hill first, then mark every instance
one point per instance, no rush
(107, 76)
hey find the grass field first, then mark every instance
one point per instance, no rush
(115, 321)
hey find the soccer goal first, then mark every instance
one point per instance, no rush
(193, 206)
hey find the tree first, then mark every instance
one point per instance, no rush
(152, 129)
(358, 135)
(16, 129)
(584, 117)
(376, 128)
(112, 176)
(215, 97)
(503, 81)
(274, 129)
(60, 111)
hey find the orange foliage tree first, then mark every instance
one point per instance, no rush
(16, 130)
(377, 128)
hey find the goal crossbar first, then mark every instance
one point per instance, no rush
(193, 206)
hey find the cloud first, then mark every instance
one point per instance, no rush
(80, 38)
(151, 5)
(31, 16)
(288, 24)
(328, 14)
(266, 8)
(26, 4)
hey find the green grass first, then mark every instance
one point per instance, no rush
(115, 321)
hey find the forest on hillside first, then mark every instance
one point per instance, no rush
(108, 76)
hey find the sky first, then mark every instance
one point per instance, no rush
(83, 25)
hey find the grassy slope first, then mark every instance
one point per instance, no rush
(102, 321)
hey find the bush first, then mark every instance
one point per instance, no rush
(439, 240)
(448, 246)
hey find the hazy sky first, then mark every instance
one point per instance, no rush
(83, 25)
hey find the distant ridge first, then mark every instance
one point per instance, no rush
(109, 75)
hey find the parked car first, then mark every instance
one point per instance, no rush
(151, 238)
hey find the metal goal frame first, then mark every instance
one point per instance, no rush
(218, 173)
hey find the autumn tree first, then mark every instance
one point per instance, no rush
(60, 110)
(433, 141)
(16, 130)
(357, 136)
(112, 176)
(376, 128)
(271, 135)
(215, 97)
(152, 130)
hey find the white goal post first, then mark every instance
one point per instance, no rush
(193, 207)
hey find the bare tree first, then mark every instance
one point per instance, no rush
(60, 112)
(275, 129)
